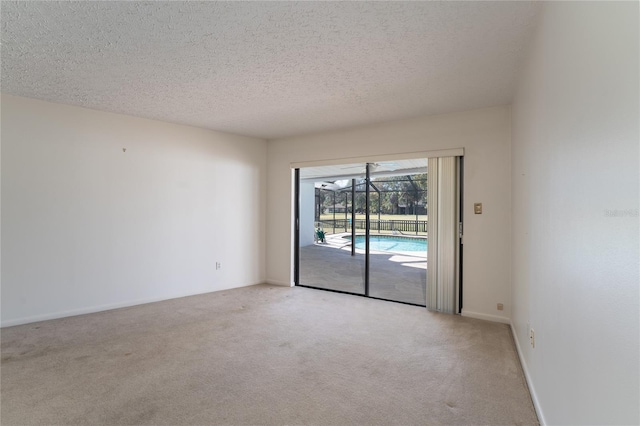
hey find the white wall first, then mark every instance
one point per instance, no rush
(86, 226)
(484, 134)
(575, 214)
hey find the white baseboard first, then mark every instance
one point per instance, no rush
(101, 308)
(87, 310)
(527, 376)
(486, 317)
(280, 283)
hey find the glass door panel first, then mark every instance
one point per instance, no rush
(328, 221)
(398, 236)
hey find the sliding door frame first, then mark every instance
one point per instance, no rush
(460, 230)
(296, 220)
(367, 232)
(296, 231)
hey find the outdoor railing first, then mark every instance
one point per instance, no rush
(408, 226)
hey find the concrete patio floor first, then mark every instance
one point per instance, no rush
(400, 276)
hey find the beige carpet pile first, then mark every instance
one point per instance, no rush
(263, 355)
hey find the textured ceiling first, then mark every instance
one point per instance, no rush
(266, 69)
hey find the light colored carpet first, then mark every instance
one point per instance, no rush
(263, 355)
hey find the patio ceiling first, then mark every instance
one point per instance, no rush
(332, 173)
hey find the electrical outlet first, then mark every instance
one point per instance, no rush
(532, 337)
(500, 306)
(218, 266)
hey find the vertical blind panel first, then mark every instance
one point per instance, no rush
(432, 234)
(442, 234)
(447, 224)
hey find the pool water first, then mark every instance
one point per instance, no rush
(391, 243)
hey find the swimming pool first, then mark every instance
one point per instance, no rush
(391, 243)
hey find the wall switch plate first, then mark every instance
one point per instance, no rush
(500, 306)
(477, 208)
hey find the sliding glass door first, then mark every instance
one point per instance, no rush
(363, 229)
